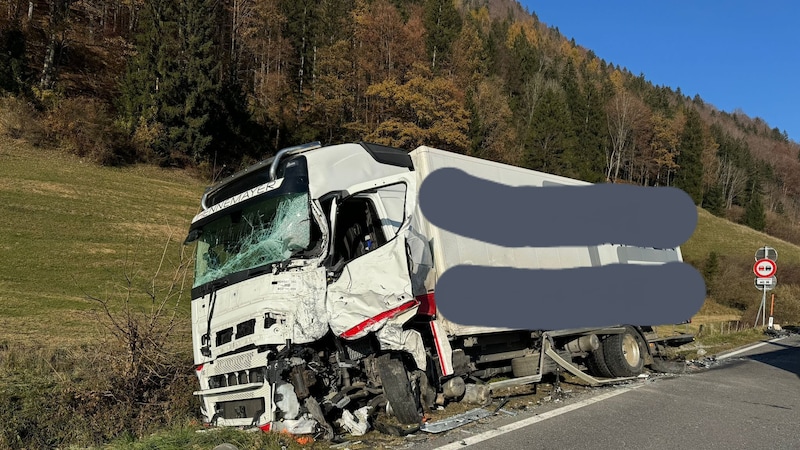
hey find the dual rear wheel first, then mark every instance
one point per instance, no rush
(619, 355)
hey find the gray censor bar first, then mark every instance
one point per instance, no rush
(555, 216)
(558, 216)
(571, 298)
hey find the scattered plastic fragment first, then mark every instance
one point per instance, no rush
(357, 424)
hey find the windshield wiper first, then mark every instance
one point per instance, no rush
(205, 350)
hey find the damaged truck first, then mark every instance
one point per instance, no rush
(314, 294)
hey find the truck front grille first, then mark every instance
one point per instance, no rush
(241, 409)
(255, 375)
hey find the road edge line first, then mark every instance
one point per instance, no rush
(748, 348)
(472, 440)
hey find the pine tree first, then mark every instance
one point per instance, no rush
(191, 119)
(174, 86)
(714, 200)
(443, 24)
(689, 176)
(573, 96)
(710, 269)
(143, 88)
(754, 216)
(551, 135)
(576, 107)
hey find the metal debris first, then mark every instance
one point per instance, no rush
(455, 421)
(702, 363)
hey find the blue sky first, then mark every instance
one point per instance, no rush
(734, 53)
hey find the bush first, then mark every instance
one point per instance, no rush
(72, 397)
(731, 283)
(787, 305)
(132, 382)
(86, 128)
(19, 119)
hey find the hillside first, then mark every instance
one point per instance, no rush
(484, 77)
(72, 229)
(729, 272)
(111, 120)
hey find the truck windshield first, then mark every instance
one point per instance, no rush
(259, 234)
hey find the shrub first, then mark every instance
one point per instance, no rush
(19, 119)
(87, 129)
(731, 283)
(73, 397)
(131, 382)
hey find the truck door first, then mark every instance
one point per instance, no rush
(372, 284)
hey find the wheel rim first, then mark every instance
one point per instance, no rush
(630, 348)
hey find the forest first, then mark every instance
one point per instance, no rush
(216, 85)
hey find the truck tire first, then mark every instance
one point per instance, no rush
(624, 353)
(397, 388)
(596, 363)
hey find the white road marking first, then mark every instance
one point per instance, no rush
(751, 347)
(472, 440)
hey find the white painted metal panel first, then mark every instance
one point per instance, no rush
(451, 249)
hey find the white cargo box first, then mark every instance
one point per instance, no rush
(450, 249)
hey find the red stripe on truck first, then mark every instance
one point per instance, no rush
(379, 318)
(439, 349)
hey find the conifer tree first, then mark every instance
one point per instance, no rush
(754, 215)
(443, 24)
(689, 176)
(174, 86)
(594, 137)
(144, 85)
(714, 200)
(550, 134)
(190, 118)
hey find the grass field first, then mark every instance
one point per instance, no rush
(731, 239)
(70, 229)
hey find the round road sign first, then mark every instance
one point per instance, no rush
(764, 268)
(765, 284)
(766, 253)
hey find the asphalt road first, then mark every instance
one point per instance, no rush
(750, 400)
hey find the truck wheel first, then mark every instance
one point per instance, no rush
(597, 364)
(397, 388)
(624, 353)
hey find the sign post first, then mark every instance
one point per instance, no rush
(765, 269)
(771, 309)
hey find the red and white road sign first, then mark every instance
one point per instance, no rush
(764, 268)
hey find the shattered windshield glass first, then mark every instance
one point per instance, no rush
(262, 233)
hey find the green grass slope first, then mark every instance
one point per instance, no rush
(730, 284)
(730, 239)
(70, 229)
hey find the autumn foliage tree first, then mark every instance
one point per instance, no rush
(423, 110)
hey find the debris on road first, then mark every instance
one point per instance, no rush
(455, 421)
(702, 363)
(357, 424)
